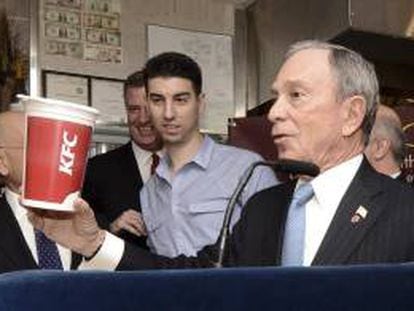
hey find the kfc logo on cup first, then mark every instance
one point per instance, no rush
(67, 157)
(56, 149)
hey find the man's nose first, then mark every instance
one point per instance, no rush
(144, 115)
(169, 110)
(278, 109)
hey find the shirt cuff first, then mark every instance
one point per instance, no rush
(108, 257)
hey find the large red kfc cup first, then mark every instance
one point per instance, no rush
(57, 141)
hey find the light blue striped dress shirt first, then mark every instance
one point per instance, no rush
(185, 213)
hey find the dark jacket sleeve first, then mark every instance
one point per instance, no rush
(90, 194)
(136, 258)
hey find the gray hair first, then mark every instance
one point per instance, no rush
(354, 76)
(387, 127)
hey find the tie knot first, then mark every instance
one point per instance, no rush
(303, 194)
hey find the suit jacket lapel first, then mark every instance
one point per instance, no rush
(129, 163)
(281, 214)
(12, 244)
(345, 232)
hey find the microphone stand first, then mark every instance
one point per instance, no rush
(225, 229)
(289, 166)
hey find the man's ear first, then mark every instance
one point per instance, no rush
(4, 168)
(382, 148)
(353, 114)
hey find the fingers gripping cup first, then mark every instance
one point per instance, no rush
(57, 141)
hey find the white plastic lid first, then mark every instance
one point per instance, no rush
(59, 109)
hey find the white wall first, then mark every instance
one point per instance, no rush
(275, 24)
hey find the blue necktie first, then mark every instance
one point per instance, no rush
(294, 237)
(47, 252)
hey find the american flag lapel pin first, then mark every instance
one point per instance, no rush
(360, 214)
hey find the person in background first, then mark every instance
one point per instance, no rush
(113, 180)
(386, 147)
(326, 100)
(20, 244)
(183, 205)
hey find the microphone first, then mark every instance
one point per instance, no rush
(282, 165)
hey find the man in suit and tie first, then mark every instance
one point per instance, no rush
(325, 103)
(20, 244)
(113, 180)
(386, 147)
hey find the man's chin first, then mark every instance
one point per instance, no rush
(172, 139)
(292, 156)
(148, 144)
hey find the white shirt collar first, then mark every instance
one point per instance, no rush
(144, 160)
(141, 155)
(331, 185)
(395, 175)
(13, 200)
(329, 188)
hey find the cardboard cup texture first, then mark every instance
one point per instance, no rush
(57, 141)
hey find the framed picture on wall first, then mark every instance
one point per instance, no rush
(107, 95)
(64, 86)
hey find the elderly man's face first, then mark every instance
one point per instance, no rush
(11, 149)
(307, 119)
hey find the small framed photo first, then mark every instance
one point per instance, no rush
(107, 95)
(64, 86)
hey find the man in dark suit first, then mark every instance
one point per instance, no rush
(113, 180)
(18, 249)
(386, 147)
(325, 102)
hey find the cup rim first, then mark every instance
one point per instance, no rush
(64, 103)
